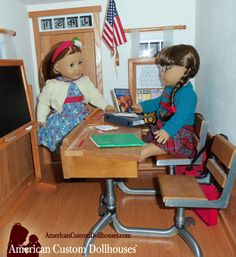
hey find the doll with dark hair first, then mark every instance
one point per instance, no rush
(33, 246)
(175, 108)
(18, 236)
(66, 90)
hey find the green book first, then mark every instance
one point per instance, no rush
(116, 140)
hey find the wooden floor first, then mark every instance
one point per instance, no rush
(73, 207)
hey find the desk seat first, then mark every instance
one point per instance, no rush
(188, 189)
(167, 159)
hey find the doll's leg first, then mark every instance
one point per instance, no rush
(150, 150)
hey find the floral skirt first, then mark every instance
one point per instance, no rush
(56, 128)
(179, 145)
(58, 125)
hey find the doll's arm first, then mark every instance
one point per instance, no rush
(43, 107)
(149, 106)
(185, 109)
(92, 95)
(42, 112)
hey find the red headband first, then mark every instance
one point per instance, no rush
(60, 48)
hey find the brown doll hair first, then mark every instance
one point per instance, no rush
(47, 70)
(181, 55)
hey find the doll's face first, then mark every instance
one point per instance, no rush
(70, 67)
(171, 75)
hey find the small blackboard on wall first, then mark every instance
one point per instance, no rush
(14, 100)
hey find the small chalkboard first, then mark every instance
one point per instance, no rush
(14, 103)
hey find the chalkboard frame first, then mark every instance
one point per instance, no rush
(12, 136)
(132, 73)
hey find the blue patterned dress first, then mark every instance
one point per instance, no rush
(58, 125)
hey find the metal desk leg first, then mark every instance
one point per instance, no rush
(105, 220)
(108, 209)
(109, 216)
(136, 191)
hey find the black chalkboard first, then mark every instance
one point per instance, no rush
(14, 108)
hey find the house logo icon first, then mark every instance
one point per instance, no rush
(17, 246)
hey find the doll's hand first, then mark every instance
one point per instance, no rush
(161, 136)
(110, 108)
(137, 108)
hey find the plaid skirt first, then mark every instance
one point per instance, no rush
(179, 145)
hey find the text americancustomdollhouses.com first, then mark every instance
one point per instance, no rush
(85, 235)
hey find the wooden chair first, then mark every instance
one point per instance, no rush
(200, 129)
(178, 192)
(182, 192)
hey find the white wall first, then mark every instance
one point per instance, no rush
(14, 15)
(136, 14)
(216, 81)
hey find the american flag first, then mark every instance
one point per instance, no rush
(113, 32)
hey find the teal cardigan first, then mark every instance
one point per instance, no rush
(185, 101)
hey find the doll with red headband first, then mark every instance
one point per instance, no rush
(61, 104)
(175, 108)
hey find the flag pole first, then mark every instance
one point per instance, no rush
(117, 59)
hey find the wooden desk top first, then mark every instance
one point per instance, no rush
(81, 158)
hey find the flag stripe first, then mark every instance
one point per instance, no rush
(117, 35)
(121, 30)
(108, 34)
(109, 44)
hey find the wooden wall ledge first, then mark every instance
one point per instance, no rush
(148, 29)
(7, 31)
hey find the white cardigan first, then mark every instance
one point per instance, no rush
(55, 91)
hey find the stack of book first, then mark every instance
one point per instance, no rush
(125, 119)
(123, 103)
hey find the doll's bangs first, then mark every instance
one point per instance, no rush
(166, 57)
(182, 55)
(69, 50)
(73, 49)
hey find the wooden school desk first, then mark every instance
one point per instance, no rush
(82, 159)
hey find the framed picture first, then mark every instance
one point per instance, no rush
(143, 94)
(143, 73)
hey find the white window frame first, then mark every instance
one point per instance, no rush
(147, 52)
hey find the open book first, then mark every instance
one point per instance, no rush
(123, 99)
